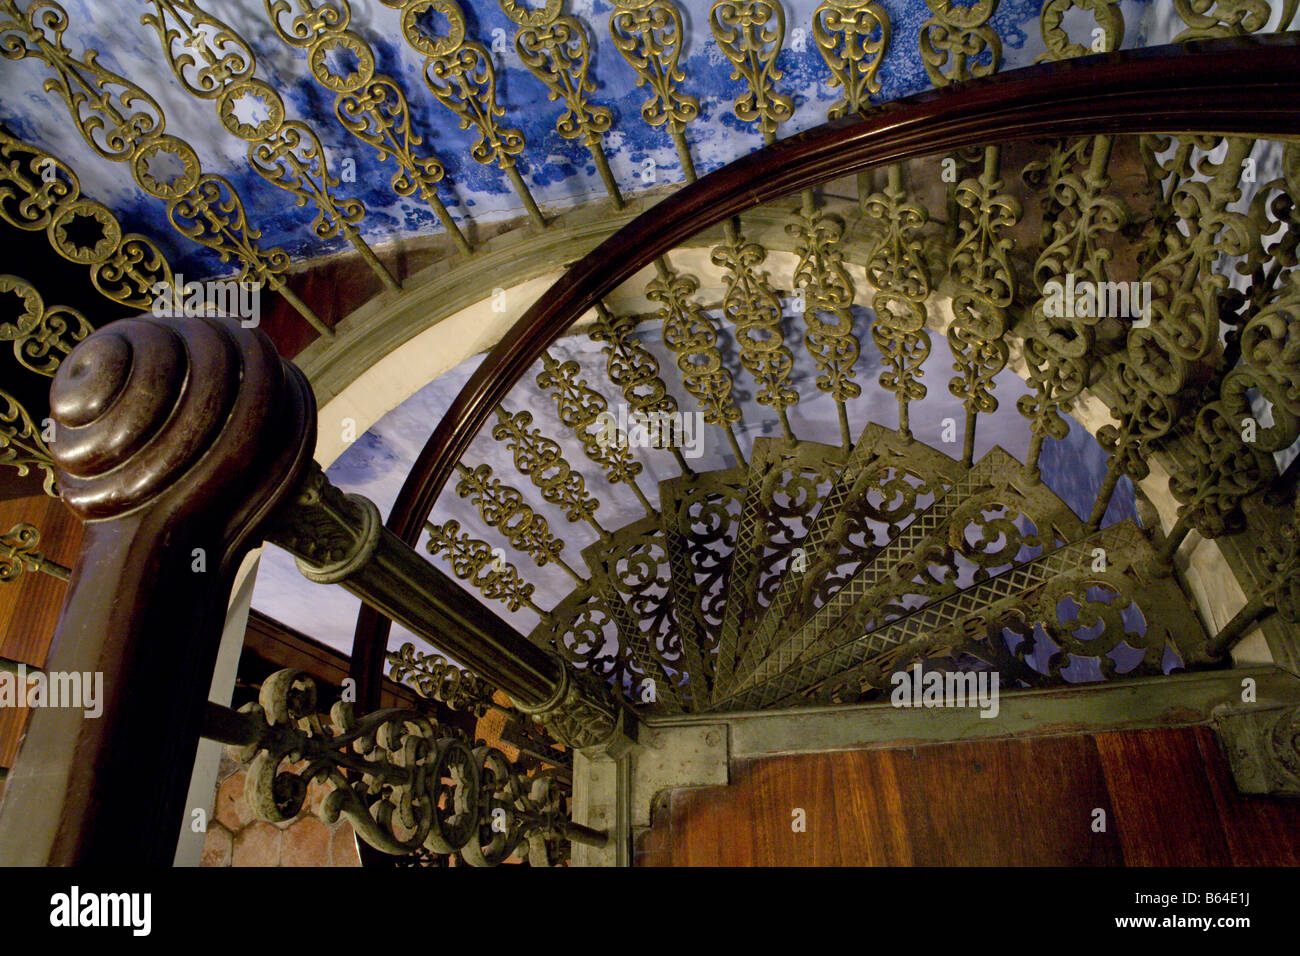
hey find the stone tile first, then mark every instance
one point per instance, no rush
(317, 791)
(343, 847)
(258, 844)
(306, 843)
(218, 846)
(232, 809)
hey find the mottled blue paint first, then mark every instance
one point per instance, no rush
(559, 171)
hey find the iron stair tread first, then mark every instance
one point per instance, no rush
(826, 545)
(632, 637)
(698, 636)
(868, 580)
(930, 626)
(768, 461)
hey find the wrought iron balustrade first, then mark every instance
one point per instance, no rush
(805, 569)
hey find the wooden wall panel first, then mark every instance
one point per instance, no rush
(780, 787)
(1167, 796)
(875, 829)
(29, 607)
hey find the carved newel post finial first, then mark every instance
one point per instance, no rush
(174, 439)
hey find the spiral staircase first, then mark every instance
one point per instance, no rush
(710, 512)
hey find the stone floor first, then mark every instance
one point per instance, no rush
(235, 838)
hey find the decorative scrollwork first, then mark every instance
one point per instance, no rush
(123, 123)
(580, 407)
(630, 366)
(41, 335)
(371, 106)
(459, 73)
(436, 678)
(212, 214)
(474, 560)
(959, 40)
(17, 551)
(38, 191)
(503, 508)
(980, 267)
(828, 297)
(1225, 467)
(750, 34)
(694, 340)
(852, 36)
(21, 444)
(1079, 216)
(212, 61)
(1220, 18)
(403, 782)
(649, 35)
(18, 554)
(897, 268)
(751, 305)
(541, 459)
(1110, 24)
(555, 48)
(1182, 319)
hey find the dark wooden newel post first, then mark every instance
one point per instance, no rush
(174, 439)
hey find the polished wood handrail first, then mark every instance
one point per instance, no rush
(1245, 86)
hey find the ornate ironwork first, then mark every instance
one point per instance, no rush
(213, 62)
(586, 412)
(1109, 19)
(41, 335)
(460, 74)
(436, 678)
(753, 307)
(693, 339)
(18, 554)
(852, 37)
(403, 781)
(1219, 18)
(123, 123)
(897, 268)
(806, 572)
(371, 106)
(957, 43)
(503, 508)
(476, 561)
(750, 34)
(555, 48)
(22, 445)
(828, 295)
(542, 461)
(649, 35)
(981, 268)
(40, 192)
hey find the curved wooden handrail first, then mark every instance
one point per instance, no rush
(1245, 86)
